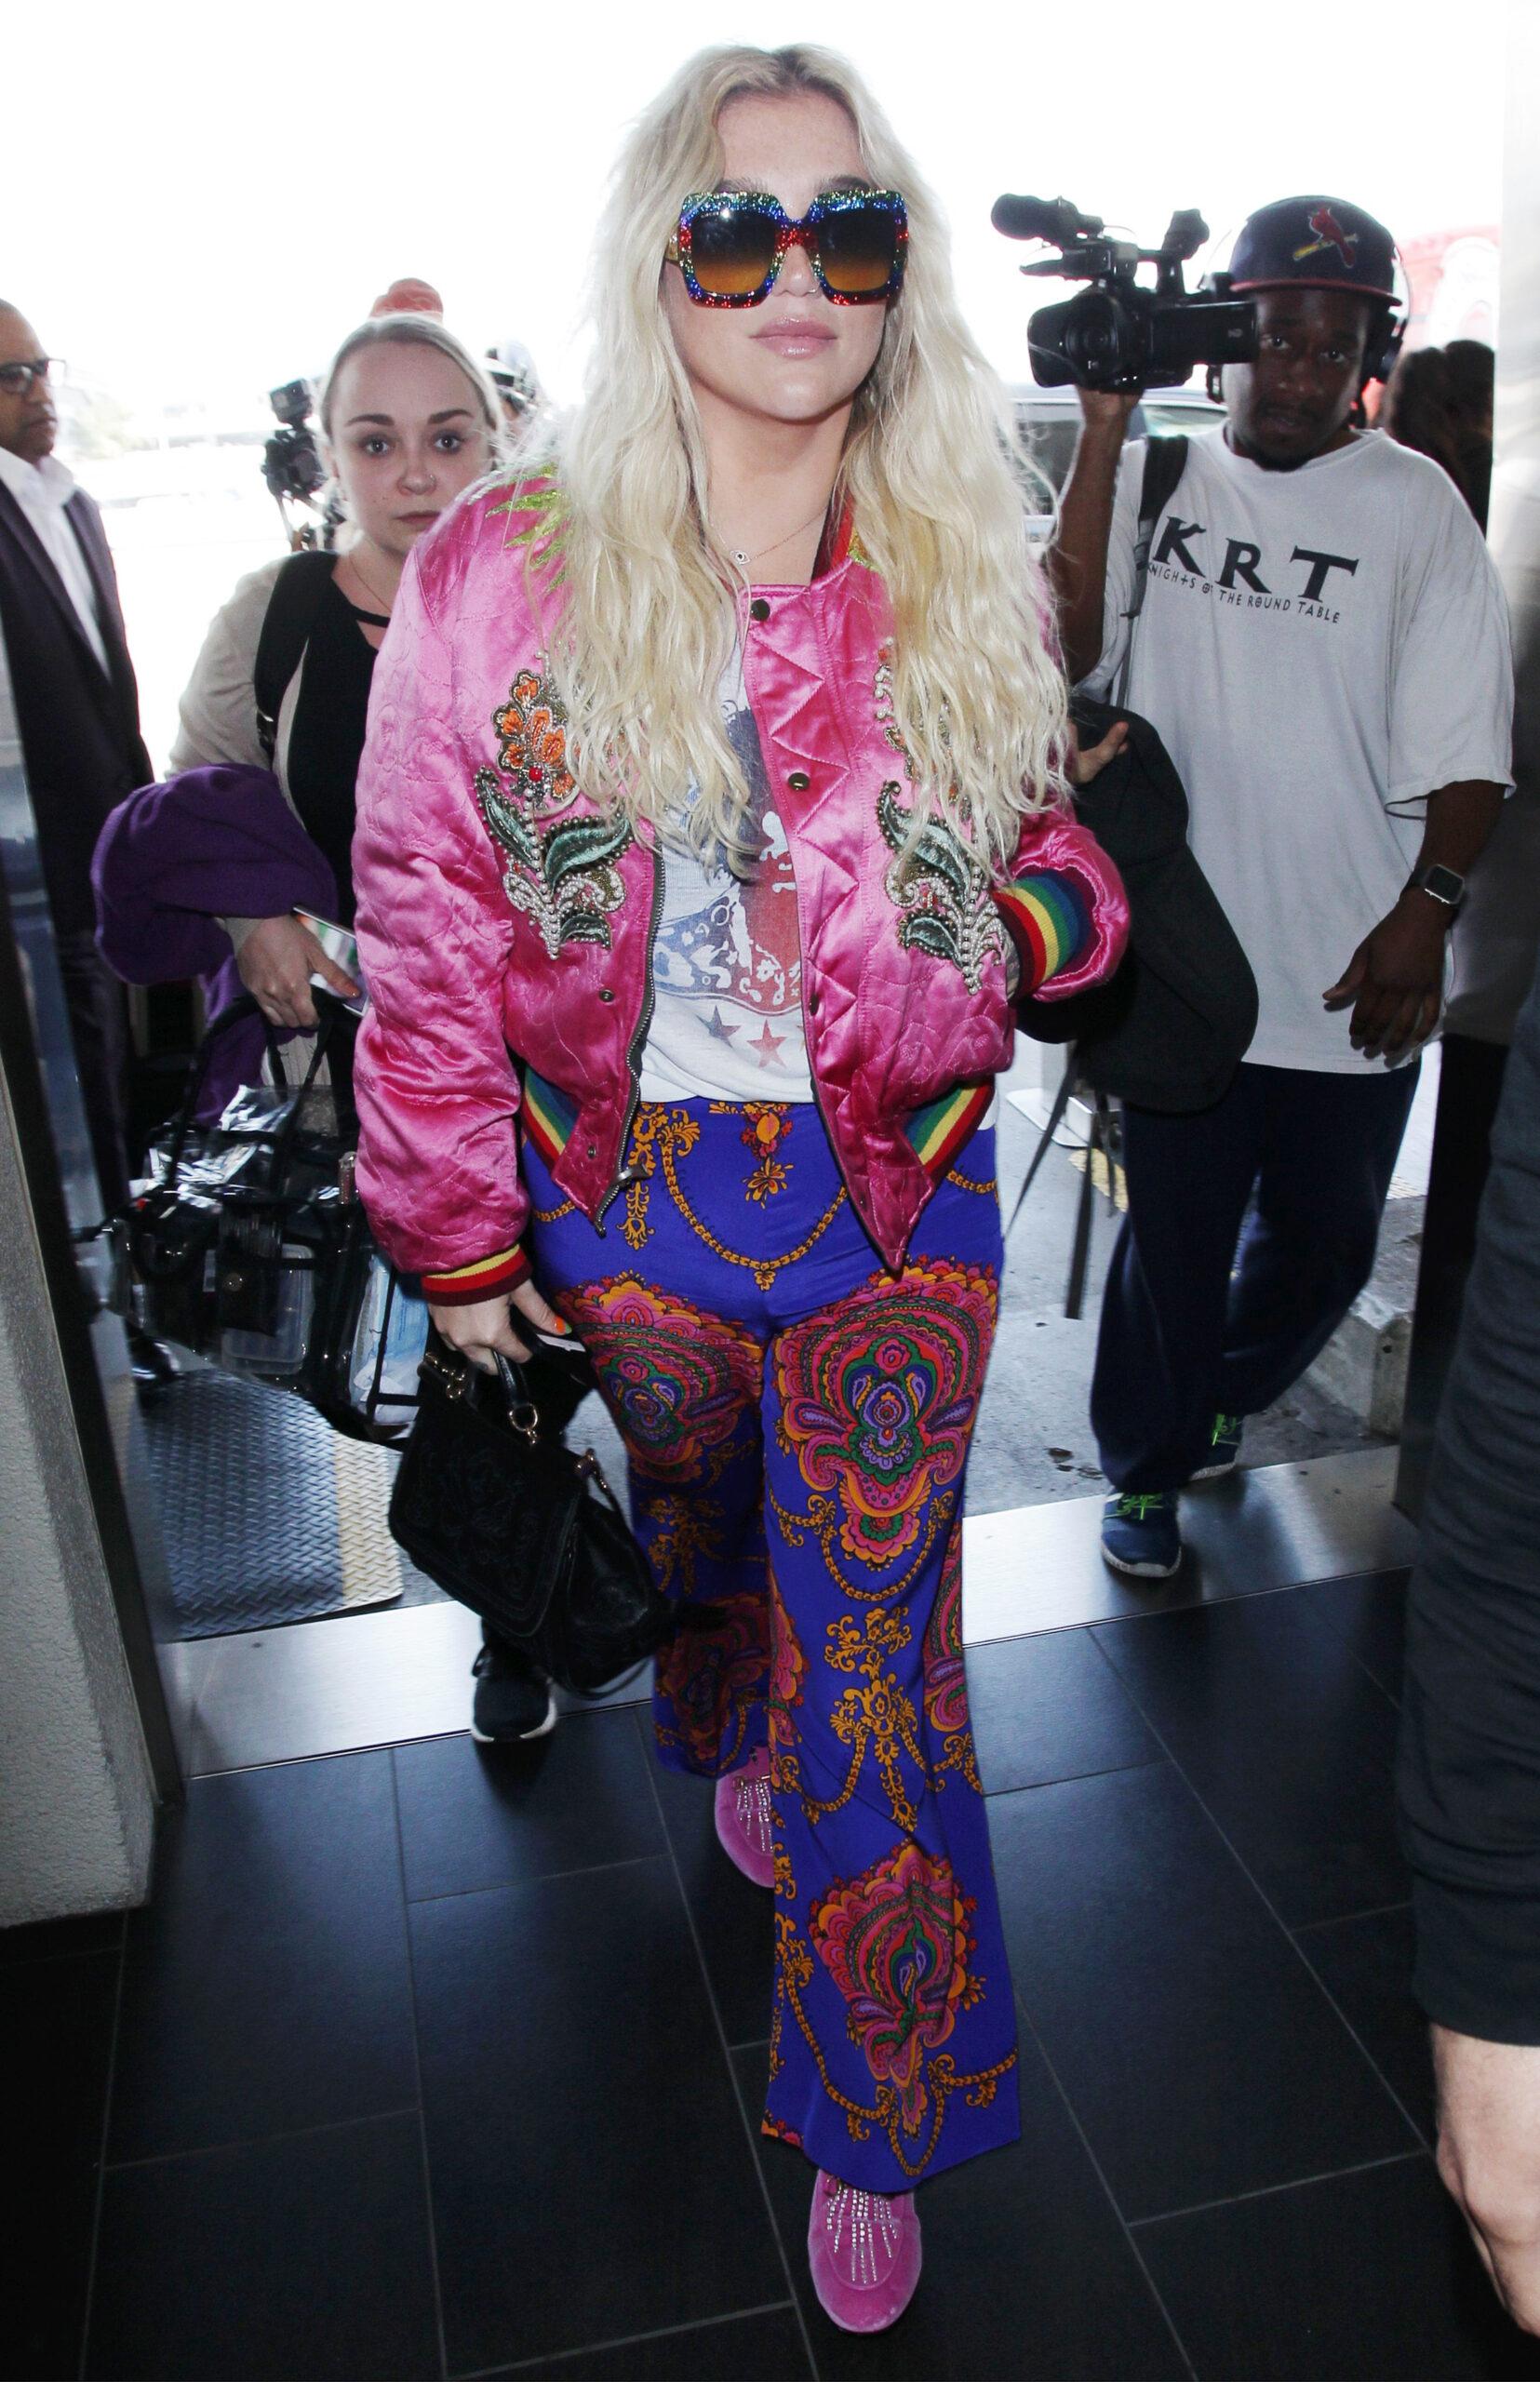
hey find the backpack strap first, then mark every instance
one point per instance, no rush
(1165, 460)
(287, 624)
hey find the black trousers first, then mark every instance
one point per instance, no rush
(99, 1028)
(1198, 1321)
(1469, 1773)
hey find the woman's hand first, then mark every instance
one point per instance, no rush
(276, 962)
(485, 1331)
(1084, 766)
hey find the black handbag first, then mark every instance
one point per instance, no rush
(491, 1505)
(251, 1248)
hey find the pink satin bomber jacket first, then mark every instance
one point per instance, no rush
(506, 925)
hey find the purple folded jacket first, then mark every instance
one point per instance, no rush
(177, 857)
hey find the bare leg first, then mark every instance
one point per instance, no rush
(1489, 2156)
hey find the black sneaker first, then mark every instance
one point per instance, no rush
(149, 1361)
(513, 1700)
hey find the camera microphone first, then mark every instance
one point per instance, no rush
(1054, 220)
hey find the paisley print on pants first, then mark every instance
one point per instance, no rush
(882, 1420)
(677, 1378)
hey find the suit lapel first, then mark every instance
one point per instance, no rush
(92, 541)
(14, 519)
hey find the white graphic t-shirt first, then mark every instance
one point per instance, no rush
(727, 960)
(1319, 650)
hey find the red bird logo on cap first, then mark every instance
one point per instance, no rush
(1329, 235)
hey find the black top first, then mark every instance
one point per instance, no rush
(326, 741)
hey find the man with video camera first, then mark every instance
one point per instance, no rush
(1323, 650)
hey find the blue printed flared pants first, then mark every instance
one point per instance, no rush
(796, 1420)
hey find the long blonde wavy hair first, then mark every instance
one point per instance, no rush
(645, 621)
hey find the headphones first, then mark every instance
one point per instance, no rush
(1386, 338)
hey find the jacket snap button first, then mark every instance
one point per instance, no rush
(798, 781)
(812, 1004)
(759, 609)
(593, 1149)
(606, 995)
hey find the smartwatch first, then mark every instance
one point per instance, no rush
(1444, 885)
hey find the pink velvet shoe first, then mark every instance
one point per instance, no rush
(863, 2250)
(745, 1821)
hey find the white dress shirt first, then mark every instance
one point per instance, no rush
(43, 490)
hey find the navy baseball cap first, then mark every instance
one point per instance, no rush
(1313, 243)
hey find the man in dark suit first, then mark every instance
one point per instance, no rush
(77, 712)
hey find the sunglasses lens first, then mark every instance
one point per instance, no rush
(732, 249)
(857, 248)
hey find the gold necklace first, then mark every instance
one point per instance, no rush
(351, 559)
(742, 560)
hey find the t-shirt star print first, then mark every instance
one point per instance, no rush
(727, 958)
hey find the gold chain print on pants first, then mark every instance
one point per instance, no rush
(660, 1137)
(822, 1519)
(878, 1714)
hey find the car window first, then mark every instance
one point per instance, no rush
(1050, 444)
(1164, 418)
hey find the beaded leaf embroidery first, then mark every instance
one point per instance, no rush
(564, 878)
(942, 889)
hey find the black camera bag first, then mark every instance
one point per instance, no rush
(1168, 1030)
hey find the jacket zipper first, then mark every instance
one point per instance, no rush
(637, 1044)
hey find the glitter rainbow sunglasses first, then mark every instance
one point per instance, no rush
(729, 245)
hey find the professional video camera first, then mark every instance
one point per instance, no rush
(1120, 334)
(292, 466)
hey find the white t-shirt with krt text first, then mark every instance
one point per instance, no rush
(1319, 650)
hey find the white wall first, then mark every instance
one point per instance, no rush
(76, 1801)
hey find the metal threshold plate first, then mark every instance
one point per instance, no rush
(362, 1680)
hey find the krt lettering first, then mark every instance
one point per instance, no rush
(1173, 542)
(1243, 560)
(1321, 566)
(1240, 561)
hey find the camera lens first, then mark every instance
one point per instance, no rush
(1093, 343)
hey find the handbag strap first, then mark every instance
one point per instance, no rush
(1165, 460)
(298, 593)
(523, 1414)
(244, 1006)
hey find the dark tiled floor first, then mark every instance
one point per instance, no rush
(433, 2063)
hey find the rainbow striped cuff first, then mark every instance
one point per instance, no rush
(1049, 917)
(464, 1284)
(548, 1117)
(939, 1131)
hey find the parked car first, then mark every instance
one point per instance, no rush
(1048, 419)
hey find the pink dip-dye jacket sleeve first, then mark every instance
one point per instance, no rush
(437, 1093)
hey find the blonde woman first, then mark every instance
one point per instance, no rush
(710, 817)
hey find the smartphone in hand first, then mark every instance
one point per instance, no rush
(341, 949)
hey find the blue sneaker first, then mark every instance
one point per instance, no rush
(1139, 1533)
(1223, 1447)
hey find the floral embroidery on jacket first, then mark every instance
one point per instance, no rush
(532, 726)
(559, 870)
(943, 891)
